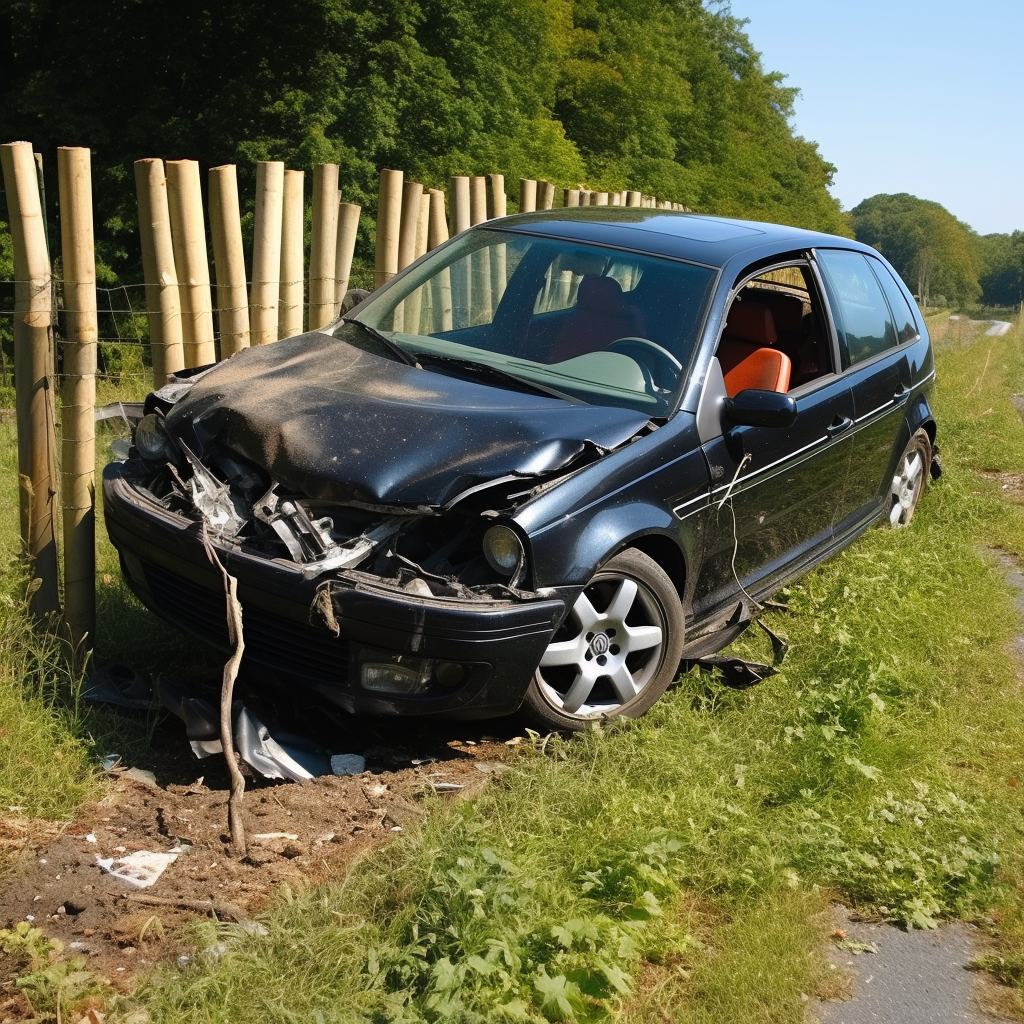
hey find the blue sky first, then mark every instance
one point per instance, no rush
(918, 96)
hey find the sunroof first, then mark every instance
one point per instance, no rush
(700, 229)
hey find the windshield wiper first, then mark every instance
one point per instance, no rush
(496, 373)
(392, 346)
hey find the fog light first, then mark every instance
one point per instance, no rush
(503, 549)
(449, 673)
(394, 673)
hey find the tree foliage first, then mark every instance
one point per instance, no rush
(667, 96)
(933, 252)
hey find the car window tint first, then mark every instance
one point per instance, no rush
(863, 313)
(906, 325)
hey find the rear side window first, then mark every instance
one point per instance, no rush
(906, 325)
(863, 314)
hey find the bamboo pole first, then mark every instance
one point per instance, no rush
(78, 393)
(545, 195)
(348, 231)
(497, 202)
(290, 295)
(191, 261)
(412, 196)
(389, 225)
(323, 248)
(33, 369)
(158, 268)
(527, 195)
(228, 261)
(266, 252)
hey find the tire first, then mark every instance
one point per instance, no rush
(628, 622)
(910, 479)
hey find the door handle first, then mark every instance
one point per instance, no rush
(838, 425)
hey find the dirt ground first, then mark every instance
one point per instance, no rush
(299, 833)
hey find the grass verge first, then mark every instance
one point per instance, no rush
(644, 870)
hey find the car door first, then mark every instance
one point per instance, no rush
(775, 490)
(878, 373)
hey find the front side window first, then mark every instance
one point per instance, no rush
(863, 315)
(598, 325)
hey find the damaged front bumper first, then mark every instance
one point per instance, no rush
(363, 644)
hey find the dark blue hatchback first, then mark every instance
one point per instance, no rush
(544, 465)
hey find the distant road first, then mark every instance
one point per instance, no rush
(998, 327)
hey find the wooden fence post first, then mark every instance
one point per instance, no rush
(229, 261)
(497, 202)
(458, 200)
(441, 293)
(78, 393)
(323, 247)
(571, 197)
(545, 195)
(191, 261)
(477, 199)
(602, 199)
(158, 268)
(437, 231)
(412, 196)
(389, 226)
(527, 195)
(423, 226)
(266, 252)
(348, 231)
(293, 214)
(33, 369)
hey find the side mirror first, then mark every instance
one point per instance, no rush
(754, 408)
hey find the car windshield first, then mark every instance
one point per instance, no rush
(597, 325)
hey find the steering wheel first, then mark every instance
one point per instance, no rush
(651, 357)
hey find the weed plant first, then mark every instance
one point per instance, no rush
(671, 868)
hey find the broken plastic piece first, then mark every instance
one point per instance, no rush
(118, 685)
(283, 757)
(140, 869)
(348, 764)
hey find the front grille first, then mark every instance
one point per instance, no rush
(270, 640)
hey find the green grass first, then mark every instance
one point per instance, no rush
(643, 871)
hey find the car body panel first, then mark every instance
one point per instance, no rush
(351, 430)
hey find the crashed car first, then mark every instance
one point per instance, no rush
(553, 460)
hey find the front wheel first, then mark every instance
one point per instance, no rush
(909, 481)
(617, 650)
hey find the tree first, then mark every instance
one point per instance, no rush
(932, 251)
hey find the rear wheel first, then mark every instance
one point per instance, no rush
(617, 650)
(908, 483)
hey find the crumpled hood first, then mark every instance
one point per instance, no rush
(332, 421)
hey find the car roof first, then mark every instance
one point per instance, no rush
(713, 241)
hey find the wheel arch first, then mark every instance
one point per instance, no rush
(666, 553)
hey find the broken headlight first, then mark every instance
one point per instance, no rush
(152, 441)
(503, 550)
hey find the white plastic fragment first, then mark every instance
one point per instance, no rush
(140, 869)
(348, 764)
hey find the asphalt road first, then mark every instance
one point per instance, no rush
(916, 977)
